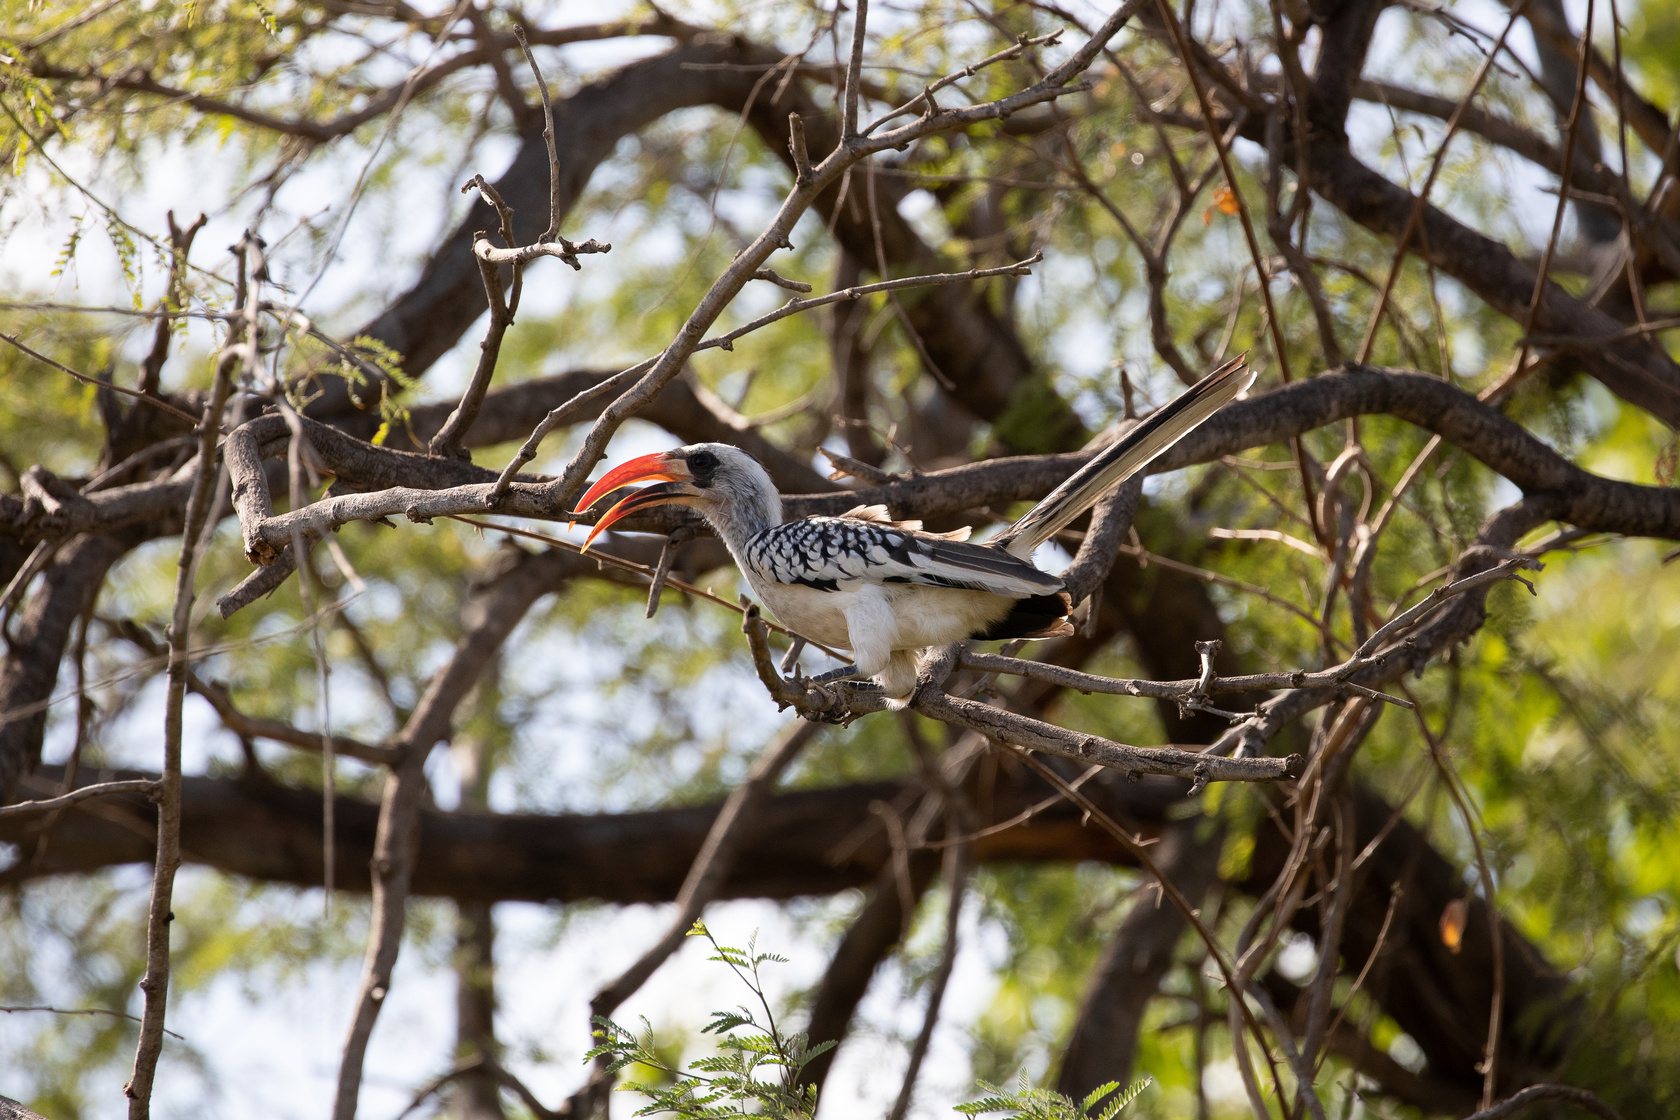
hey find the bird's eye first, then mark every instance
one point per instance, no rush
(702, 462)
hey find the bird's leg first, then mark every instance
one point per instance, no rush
(871, 628)
(790, 659)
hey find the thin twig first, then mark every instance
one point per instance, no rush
(1422, 198)
(502, 306)
(1273, 324)
(854, 72)
(180, 244)
(781, 281)
(87, 1011)
(711, 867)
(63, 801)
(957, 868)
(1140, 852)
(1178, 691)
(925, 98)
(155, 402)
(1490, 1058)
(617, 381)
(567, 251)
(554, 209)
(1543, 271)
(640, 569)
(1370, 961)
(482, 1064)
(795, 306)
(254, 727)
(155, 983)
(798, 149)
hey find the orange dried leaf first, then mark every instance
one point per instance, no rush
(1453, 918)
(1226, 199)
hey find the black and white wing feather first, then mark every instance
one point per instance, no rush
(841, 553)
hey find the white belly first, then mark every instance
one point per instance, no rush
(818, 615)
(920, 615)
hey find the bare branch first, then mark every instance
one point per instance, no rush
(180, 244)
(490, 618)
(155, 402)
(553, 230)
(1273, 324)
(64, 801)
(448, 439)
(854, 73)
(524, 254)
(156, 981)
(781, 281)
(1518, 1103)
(393, 862)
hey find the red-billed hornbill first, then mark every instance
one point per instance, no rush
(887, 590)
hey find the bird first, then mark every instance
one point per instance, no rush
(887, 590)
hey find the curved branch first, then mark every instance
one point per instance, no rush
(435, 487)
(1518, 1103)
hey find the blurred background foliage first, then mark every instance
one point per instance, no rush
(1559, 718)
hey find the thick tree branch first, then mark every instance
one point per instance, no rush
(1635, 369)
(804, 842)
(30, 669)
(808, 842)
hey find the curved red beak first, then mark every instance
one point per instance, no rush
(664, 467)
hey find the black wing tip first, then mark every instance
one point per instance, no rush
(1038, 616)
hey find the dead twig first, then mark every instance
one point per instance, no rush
(706, 875)
(64, 801)
(86, 1011)
(155, 402)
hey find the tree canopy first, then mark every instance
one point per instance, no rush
(333, 777)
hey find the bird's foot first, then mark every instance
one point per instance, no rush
(834, 703)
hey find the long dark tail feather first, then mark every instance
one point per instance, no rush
(1125, 457)
(1040, 616)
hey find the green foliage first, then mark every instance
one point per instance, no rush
(1027, 1103)
(756, 1069)
(754, 1073)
